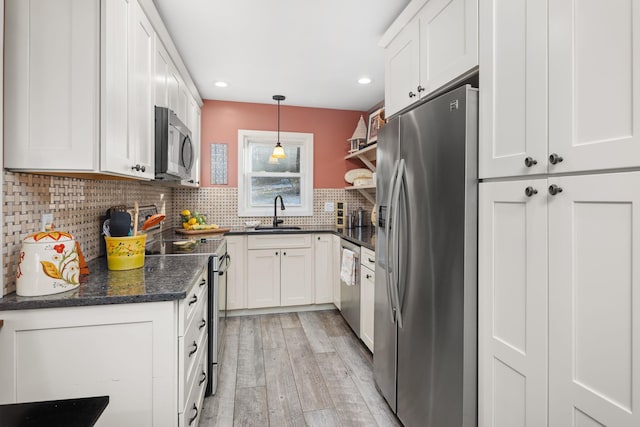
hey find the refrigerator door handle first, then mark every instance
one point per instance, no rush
(395, 289)
(387, 231)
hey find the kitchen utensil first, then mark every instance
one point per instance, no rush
(49, 264)
(136, 210)
(125, 253)
(120, 224)
(152, 221)
(362, 218)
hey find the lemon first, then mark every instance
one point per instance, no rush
(193, 221)
(185, 225)
(185, 212)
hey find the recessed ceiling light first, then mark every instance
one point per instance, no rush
(364, 80)
(221, 84)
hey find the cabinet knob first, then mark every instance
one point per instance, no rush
(412, 95)
(420, 88)
(284, 253)
(554, 189)
(276, 253)
(555, 158)
(530, 191)
(530, 161)
(139, 168)
(195, 348)
(368, 276)
(318, 237)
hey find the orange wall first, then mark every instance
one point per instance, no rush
(330, 128)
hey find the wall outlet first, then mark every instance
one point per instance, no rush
(46, 221)
(328, 206)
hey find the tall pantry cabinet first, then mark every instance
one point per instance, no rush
(559, 213)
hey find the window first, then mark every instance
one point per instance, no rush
(261, 180)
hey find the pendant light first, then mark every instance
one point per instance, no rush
(278, 150)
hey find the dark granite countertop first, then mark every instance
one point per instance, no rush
(363, 236)
(163, 278)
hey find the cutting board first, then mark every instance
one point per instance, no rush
(194, 232)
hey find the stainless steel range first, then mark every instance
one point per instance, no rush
(169, 243)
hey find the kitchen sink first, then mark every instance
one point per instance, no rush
(281, 228)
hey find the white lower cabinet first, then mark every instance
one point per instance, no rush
(324, 268)
(137, 354)
(367, 296)
(559, 323)
(279, 270)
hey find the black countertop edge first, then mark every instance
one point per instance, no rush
(163, 278)
(363, 236)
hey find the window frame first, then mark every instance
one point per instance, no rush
(304, 141)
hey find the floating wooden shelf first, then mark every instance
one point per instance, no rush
(367, 155)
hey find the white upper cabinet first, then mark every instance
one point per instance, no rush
(594, 84)
(433, 47)
(193, 123)
(585, 116)
(52, 85)
(513, 82)
(81, 85)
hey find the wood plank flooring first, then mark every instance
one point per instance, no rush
(295, 369)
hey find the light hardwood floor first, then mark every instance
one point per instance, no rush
(295, 369)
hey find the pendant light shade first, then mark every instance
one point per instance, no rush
(278, 150)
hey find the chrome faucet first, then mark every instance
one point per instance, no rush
(277, 221)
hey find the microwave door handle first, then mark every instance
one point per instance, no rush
(387, 232)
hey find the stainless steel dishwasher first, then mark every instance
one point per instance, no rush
(350, 294)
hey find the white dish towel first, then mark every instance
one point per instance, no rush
(348, 268)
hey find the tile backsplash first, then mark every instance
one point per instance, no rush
(78, 205)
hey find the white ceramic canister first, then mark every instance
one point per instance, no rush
(49, 264)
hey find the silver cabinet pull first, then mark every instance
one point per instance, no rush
(554, 189)
(530, 191)
(530, 161)
(555, 158)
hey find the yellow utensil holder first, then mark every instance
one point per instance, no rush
(125, 253)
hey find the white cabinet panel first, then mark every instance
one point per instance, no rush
(51, 85)
(324, 269)
(513, 99)
(402, 72)
(162, 65)
(512, 304)
(594, 241)
(367, 302)
(236, 274)
(296, 277)
(263, 278)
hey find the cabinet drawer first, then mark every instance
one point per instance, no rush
(191, 346)
(188, 307)
(195, 379)
(281, 241)
(368, 258)
(190, 414)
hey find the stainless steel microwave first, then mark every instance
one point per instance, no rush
(174, 150)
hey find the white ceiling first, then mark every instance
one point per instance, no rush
(313, 52)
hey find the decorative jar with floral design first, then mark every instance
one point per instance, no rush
(48, 264)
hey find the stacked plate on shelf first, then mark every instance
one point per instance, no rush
(359, 177)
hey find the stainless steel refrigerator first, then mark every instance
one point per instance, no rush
(425, 331)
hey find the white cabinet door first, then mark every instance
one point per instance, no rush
(125, 351)
(183, 101)
(448, 42)
(594, 303)
(367, 302)
(173, 88)
(51, 84)
(296, 277)
(402, 73)
(142, 94)
(193, 123)
(236, 281)
(323, 269)
(335, 280)
(512, 304)
(594, 84)
(117, 153)
(263, 278)
(513, 99)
